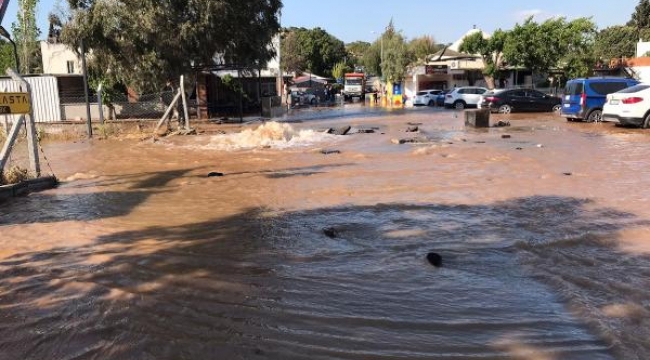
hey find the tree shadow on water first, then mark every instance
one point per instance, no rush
(50, 207)
(270, 285)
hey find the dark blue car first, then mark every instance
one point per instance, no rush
(584, 98)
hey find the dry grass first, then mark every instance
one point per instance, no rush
(14, 175)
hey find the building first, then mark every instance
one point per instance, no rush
(59, 59)
(446, 69)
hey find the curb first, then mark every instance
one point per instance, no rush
(26, 187)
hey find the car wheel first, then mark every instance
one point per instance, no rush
(459, 105)
(431, 103)
(646, 122)
(595, 116)
(313, 101)
(505, 109)
(556, 108)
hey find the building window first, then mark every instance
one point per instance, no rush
(70, 67)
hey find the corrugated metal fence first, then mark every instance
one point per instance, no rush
(45, 97)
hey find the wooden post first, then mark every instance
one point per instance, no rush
(169, 110)
(184, 97)
(100, 103)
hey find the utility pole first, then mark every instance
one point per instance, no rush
(280, 79)
(84, 70)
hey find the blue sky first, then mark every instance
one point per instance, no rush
(446, 21)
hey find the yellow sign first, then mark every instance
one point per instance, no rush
(14, 103)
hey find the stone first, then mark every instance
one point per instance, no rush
(434, 259)
(330, 232)
(215, 174)
(366, 131)
(340, 131)
(506, 136)
(567, 173)
(412, 129)
(330, 152)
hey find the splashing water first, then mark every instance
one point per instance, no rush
(269, 135)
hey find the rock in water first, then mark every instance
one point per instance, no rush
(506, 136)
(215, 174)
(340, 131)
(329, 232)
(434, 259)
(412, 129)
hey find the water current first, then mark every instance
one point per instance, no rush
(303, 252)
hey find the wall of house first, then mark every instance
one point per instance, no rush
(56, 57)
(642, 48)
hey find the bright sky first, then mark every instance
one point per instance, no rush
(446, 21)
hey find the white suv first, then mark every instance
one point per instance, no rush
(463, 97)
(629, 106)
(426, 97)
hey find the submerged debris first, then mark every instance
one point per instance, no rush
(330, 232)
(412, 129)
(330, 152)
(506, 136)
(366, 131)
(434, 259)
(215, 174)
(502, 123)
(416, 140)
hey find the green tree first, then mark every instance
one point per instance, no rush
(490, 49)
(372, 58)
(577, 43)
(618, 41)
(551, 44)
(421, 47)
(395, 57)
(314, 50)
(641, 16)
(293, 59)
(339, 70)
(25, 34)
(143, 43)
(7, 59)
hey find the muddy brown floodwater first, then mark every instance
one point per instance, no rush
(544, 236)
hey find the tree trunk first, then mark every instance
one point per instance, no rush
(489, 81)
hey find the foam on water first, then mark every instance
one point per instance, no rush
(268, 135)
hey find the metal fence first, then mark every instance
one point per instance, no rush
(120, 107)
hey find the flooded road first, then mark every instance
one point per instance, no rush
(294, 254)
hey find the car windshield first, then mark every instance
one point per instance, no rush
(635, 88)
(420, 93)
(353, 81)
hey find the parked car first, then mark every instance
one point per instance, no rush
(303, 98)
(426, 97)
(629, 106)
(463, 97)
(507, 101)
(584, 98)
(440, 98)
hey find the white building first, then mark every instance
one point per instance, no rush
(642, 48)
(59, 59)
